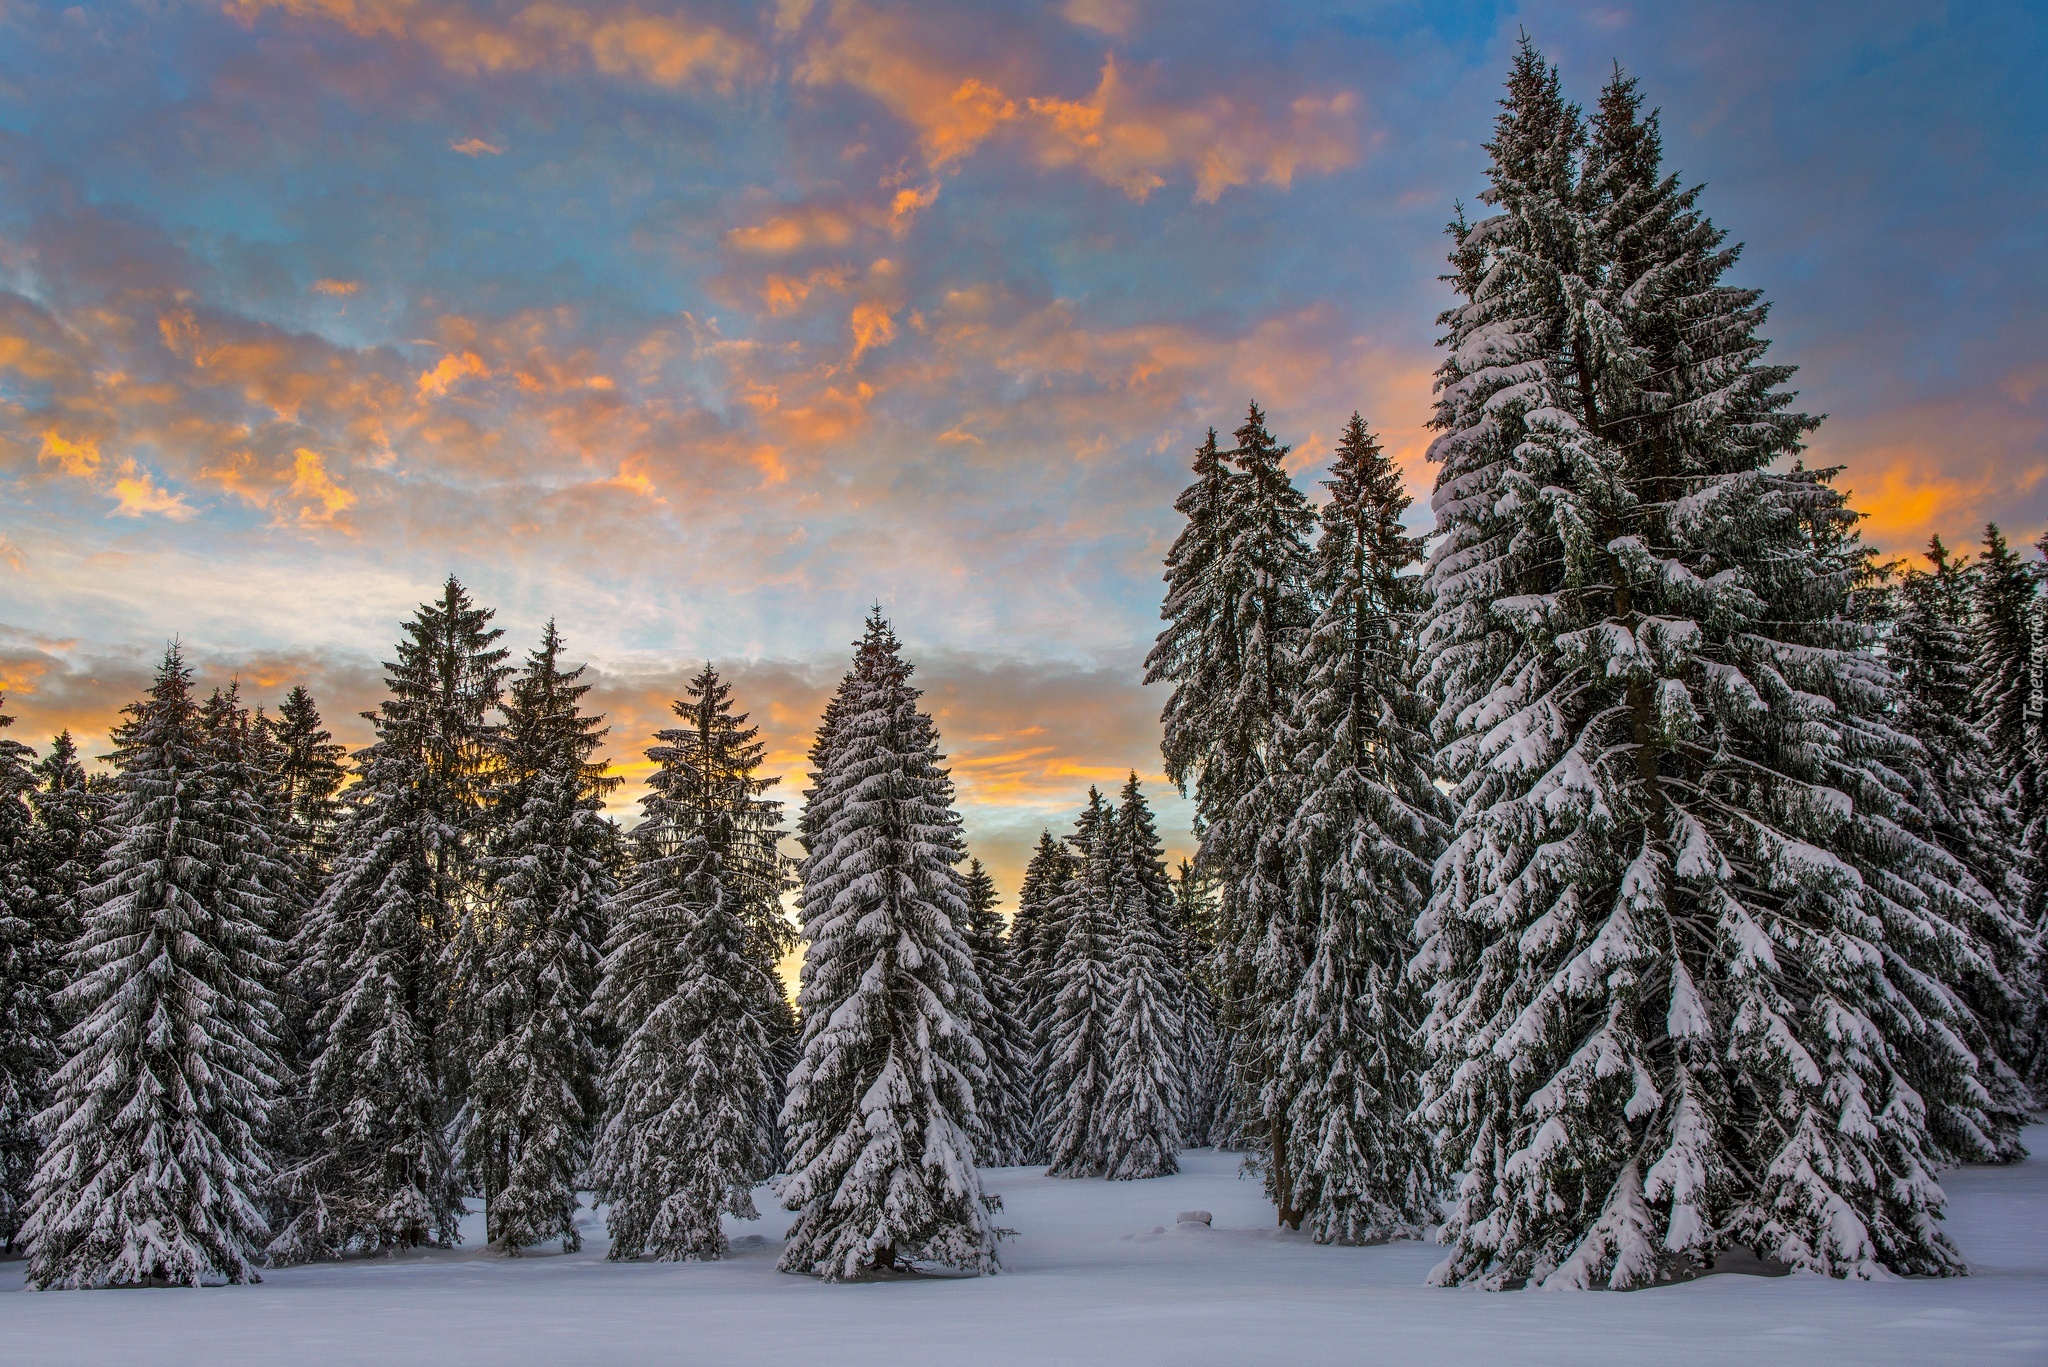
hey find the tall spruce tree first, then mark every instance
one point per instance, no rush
(882, 1114)
(1685, 957)
(1959, 805)
(1006, 1099)
(691, 991)
(1197, 652)
(1146, 1098)
(527, 959)
(303, 774)
(155, 1152)
(1236, 610)
(1033, 940)
(2006, 619)
(26, 1051)
(1202, 1051)
(380, 1176)
(1076, 1056)
(1370, 824)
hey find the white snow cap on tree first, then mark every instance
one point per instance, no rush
(881, 1115)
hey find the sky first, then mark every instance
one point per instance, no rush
(703, 328)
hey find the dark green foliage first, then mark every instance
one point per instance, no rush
(690, 989)
(525, 961)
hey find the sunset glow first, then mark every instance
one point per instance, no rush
(703, 328)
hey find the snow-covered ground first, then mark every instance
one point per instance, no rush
(1097, 1274)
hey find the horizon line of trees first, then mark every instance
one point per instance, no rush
(267, 1002)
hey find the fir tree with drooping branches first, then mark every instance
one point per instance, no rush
(74, 814)
(1202, 1048)
(1033, 941)
(379, 1175)
(1075, 1060)
(308, 772)
(1959, 804)
(528, 959)
(1007, 1096)
(1146, 1096)
(1369, 826)
(882, 1115)
(689, 987)
(1236, 611)
(1689, 967)
(2007, 618)
(155, 1154)
(26, 1025)
(2002, 612)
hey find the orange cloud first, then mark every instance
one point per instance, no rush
(449, 370)
(877, 55)
(80, 459)
(1121, 139)
(314, 486)
(786, 293)
(808, 226)
(666, 50)
(872, 326)
(906, 206)
(476, 147)
(339, 289)
(138, 495)
(1117, 134)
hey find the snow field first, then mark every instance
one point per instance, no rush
(1097, 1274)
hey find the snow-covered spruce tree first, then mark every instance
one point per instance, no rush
(2003, 592)
(26, 1044)
(1146, 1096)
(1370, 824)
(1202, 1052)
(527, 959)
(302, 776)
(1958, 802)
(154, 1129)
(881, 1118)
(1679, 947)
(307, 770)
(1236, 609)
(1033, 940)
(379, 1175)
(74, 815)
(2007, 613)
(690, 992)
(1007, 1094)
(1075, 1055)
(1263, 944)
(1198, 652)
